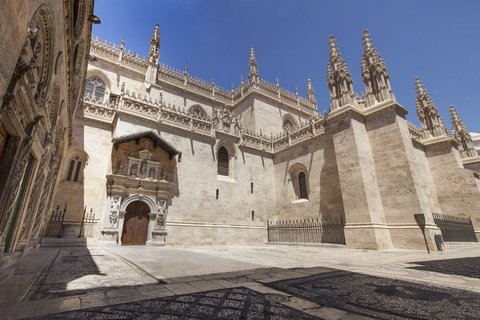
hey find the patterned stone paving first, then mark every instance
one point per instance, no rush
(231, 304)
(77, 271)
(382, 297)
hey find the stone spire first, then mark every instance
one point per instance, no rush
(311, 92)
(153, 56)
(427, 112)
(122, 44)
(253, 76)
(374, 74)
(340, 83)
(462, 136)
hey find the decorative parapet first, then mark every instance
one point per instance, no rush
(118, 54)
(415, 132)
(97, 110)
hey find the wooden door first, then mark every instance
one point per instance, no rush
(135, 226)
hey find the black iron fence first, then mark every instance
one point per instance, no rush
(325, 230)
(55, 225)
(455, 228)
(87, 229)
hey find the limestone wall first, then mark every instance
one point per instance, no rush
(325, 197)
(457, 188)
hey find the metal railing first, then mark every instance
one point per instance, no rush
(55, 225)
(325, 230)
(455, 228)
(87, 229)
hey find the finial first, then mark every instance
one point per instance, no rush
(122, 44)
(241, 78)
(213, 79)
(278, 83)
(296, 90)
(252, 53)
(156, 34)
(232, 87)
(309, 83)
(186, 67)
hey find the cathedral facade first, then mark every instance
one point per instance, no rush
(162, 157)
(42, 75)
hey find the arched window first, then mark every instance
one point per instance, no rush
(299, 183)
(289, 123)
(287, 126)
(74, 169)
(95, 88)
(223, 161)
(302, 183)
(198, 111)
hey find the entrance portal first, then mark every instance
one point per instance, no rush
(135, 227)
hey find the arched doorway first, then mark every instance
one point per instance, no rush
(135, 227)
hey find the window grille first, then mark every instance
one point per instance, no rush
(223, 161)
(95, 88)
(302, 182)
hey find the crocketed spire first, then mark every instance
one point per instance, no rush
(374, 74)
(310, 92)
(427, 112)
(340, 83)
(462, 136)
(253, 76)
(154, 53)
(153, 56)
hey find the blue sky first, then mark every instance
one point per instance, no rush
(438, 41)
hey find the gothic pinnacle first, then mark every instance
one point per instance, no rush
(252, 53)
(186, 67)
(155, 36)
(122, 44)
(253, 76)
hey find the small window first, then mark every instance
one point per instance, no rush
(95, 88)
(223, 161)
(302, 183)
(74, 169)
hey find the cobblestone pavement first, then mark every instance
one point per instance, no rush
(231, 304)
(245, 282)
(382, 297)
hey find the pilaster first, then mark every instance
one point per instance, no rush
(364, 216)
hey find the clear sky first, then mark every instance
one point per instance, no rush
(437, 41)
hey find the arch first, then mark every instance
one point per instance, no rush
(55, 103)
(226, 152)
(42, 31)
(74, 165)
(299, 182)
(135, 197)
(289, 122)
(197, 110)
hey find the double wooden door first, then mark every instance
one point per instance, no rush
(135, 226)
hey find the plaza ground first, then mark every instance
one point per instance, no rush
(243, 282)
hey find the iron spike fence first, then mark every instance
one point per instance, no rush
(87, 230)
(453, 228)
(325, 230)
(55, 225)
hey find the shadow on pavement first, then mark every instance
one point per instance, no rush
(382, 298)
(468, 267)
